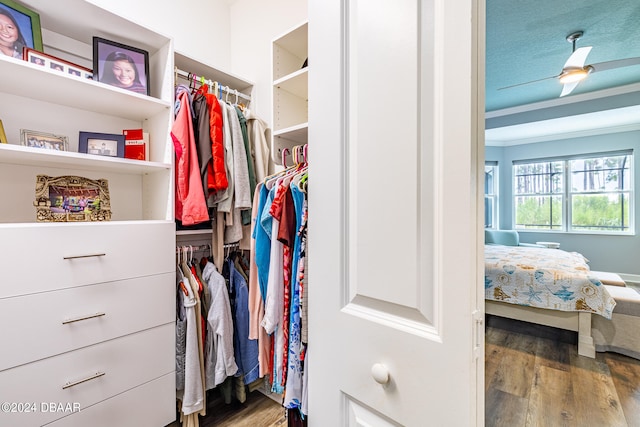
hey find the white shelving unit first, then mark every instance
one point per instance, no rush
(290, 88)
(82, 276)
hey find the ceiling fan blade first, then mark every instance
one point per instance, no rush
(568, 88)
(618, 63)
(529, 82)
(578, 58)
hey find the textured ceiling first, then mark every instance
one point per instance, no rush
(526, 40)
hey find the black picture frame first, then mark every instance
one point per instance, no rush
(107, 53)
(27, 21)
(101, 144)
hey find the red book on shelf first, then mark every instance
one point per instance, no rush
(134, 144)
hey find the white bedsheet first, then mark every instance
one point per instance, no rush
(544, 278)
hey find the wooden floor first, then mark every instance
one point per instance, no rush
(257, 411)
(534, 377)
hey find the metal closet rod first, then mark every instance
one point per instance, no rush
(210, 82)
(189, 248)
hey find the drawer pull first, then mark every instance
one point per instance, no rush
(92, 377)
(77, 319)
(84, 256)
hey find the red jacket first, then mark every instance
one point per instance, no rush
(218, 179)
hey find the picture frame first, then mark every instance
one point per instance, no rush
(122, 66)
(3, 136)
(47, 141)
(71, 198)
(53, 63)
(101, 144)
(27, 23)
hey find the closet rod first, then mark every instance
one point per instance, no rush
(210, 82)
(191, 248)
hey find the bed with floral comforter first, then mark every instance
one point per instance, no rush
(544, 278)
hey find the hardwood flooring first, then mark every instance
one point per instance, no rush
(535, 377)
(257, 411)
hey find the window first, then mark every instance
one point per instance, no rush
(585, 193)
(491, 195)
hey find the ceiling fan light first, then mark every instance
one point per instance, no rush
(572, 76)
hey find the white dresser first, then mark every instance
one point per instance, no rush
(87, 309)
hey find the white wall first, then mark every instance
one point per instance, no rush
(200, 29)
(255, 24)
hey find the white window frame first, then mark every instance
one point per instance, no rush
(568, 194)
(495, 195)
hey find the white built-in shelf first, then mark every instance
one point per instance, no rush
(28, 156)
(193, 232)
(290, 90)
(298, 133)
(199, 68)
(28, 80)
(296, 83)
(88, 225)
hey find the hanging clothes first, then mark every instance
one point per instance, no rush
(201, 126)
(259, 137)
(220, 360)
(190, 205)
(246, 350)
(256, 302)
(219, 180)
(242, 197)
(193, 394)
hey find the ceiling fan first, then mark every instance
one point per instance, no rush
(575, 70)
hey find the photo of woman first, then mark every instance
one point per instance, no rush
(11, 39)
(120, 70)
(19, 28)
(121, 66)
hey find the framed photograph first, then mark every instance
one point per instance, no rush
(71, 198)
(102, 144)
(122, 66)
(21, 29)
(53, 63)
(48, 141)
(3, 136)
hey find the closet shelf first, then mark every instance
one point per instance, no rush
(88, 225)
(28, 80)
(200, 68)
(193, 232)
(296, 83)
(298, 133)
(28, 156)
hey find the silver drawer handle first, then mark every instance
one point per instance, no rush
(77, 319)
(92, 377)
(84, 256)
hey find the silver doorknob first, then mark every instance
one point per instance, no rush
(380, 373)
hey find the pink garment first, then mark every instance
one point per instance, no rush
(191, 206)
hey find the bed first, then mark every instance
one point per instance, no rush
(545, 286)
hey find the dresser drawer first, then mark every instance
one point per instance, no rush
(108, 368)
(150, 405)
(44, 257)
(50, 323)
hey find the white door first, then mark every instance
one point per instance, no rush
(394, 233)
